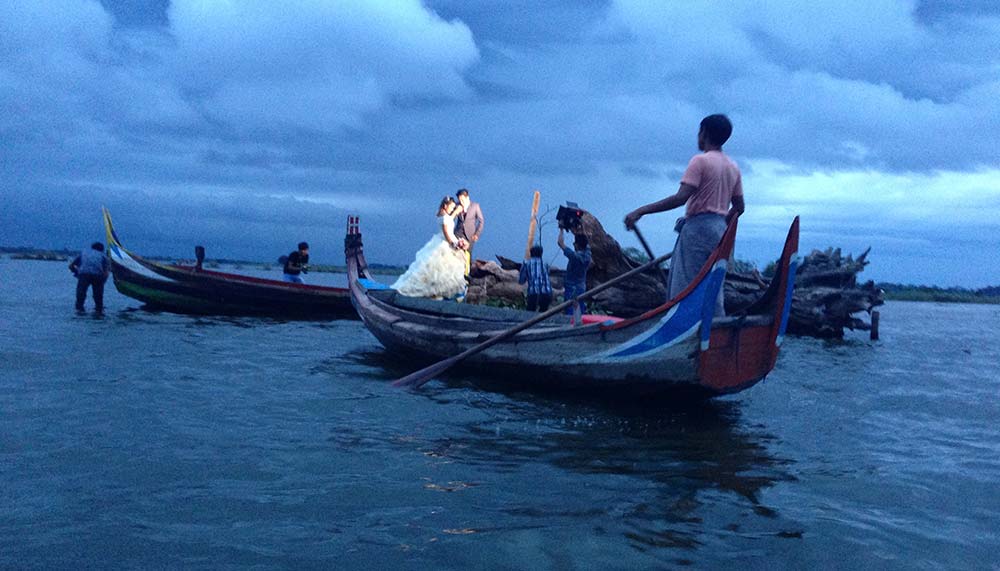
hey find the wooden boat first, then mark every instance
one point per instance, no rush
(677, 347)
(192, 289)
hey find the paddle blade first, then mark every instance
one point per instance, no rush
(418, 378)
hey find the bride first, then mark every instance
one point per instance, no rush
(438, 271)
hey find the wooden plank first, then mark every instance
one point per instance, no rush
(533, 224)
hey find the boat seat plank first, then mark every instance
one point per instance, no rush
(451, 308)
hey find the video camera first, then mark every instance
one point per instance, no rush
(569, 216)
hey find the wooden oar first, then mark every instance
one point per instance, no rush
(532, 225)
(649, 252)
(423, 375)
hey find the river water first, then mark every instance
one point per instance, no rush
(150, 440)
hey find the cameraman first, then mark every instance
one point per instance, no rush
(578, 260)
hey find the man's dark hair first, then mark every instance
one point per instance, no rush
(536, 251)
(97, 246)
(580, 241)
(303, 245)
(462, 192)
(717, 128)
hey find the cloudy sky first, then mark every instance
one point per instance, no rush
(247, 126)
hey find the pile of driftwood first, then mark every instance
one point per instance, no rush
(827, 296)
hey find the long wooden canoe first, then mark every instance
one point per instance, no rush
(189, 289)
(676, 347)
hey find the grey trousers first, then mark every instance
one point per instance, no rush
(698, 237)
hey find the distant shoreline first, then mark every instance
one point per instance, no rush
(940, 295)
(893, 291)
(37, 255)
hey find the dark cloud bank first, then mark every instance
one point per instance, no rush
(250, 127)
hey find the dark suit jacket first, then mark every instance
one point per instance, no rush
(469, 224)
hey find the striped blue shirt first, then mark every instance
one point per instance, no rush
(536, 274)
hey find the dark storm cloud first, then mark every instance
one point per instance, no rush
(138, 13)
(286, 116)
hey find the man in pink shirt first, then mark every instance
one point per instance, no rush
(713, 191)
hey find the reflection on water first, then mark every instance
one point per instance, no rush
(671, 458)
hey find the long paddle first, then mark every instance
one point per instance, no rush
(423, 375)
(649, 252)
(532, 225)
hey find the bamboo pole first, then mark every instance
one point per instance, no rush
(532, 225)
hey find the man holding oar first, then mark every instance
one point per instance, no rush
(712, 189)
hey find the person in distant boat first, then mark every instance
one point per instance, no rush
(712, 189)
(577, 262)
(297, 264)
(469, 224)
(535, 273)
(91, 269)
(438, 270)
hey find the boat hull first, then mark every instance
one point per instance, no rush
(675, 347)
(187, 289)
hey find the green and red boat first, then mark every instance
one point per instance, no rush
(192, 289)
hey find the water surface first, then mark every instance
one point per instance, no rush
(151, 440)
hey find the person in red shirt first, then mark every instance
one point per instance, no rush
(712, 189)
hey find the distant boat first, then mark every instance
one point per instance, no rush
(192, 289)
(677, 347)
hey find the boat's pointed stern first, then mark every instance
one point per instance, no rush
(354, 252)
(787, 268)
(115, 251)
(737, 357)
(109, 229)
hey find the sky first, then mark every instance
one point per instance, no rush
(248, 126)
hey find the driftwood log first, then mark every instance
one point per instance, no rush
(493, 282)
(827, 295)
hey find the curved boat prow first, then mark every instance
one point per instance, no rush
(122, 258)
(785, 276)
(354, 252)
(109, 229)
(738, 357)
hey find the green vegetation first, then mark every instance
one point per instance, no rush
(906, 292)
(41, 257)
(31, 253)
(635, 254)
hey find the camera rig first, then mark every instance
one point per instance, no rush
(569, 216)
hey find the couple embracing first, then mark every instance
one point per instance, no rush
(440, 268)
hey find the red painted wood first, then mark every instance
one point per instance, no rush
(735, 357)
(254, 280)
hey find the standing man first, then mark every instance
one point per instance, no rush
(297, 264)
(91, 269)
(535, 273)
(712, 189)
(577, 261)
(468, 224)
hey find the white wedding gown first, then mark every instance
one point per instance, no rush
(438, 271)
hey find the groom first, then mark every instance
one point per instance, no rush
(469, 224)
